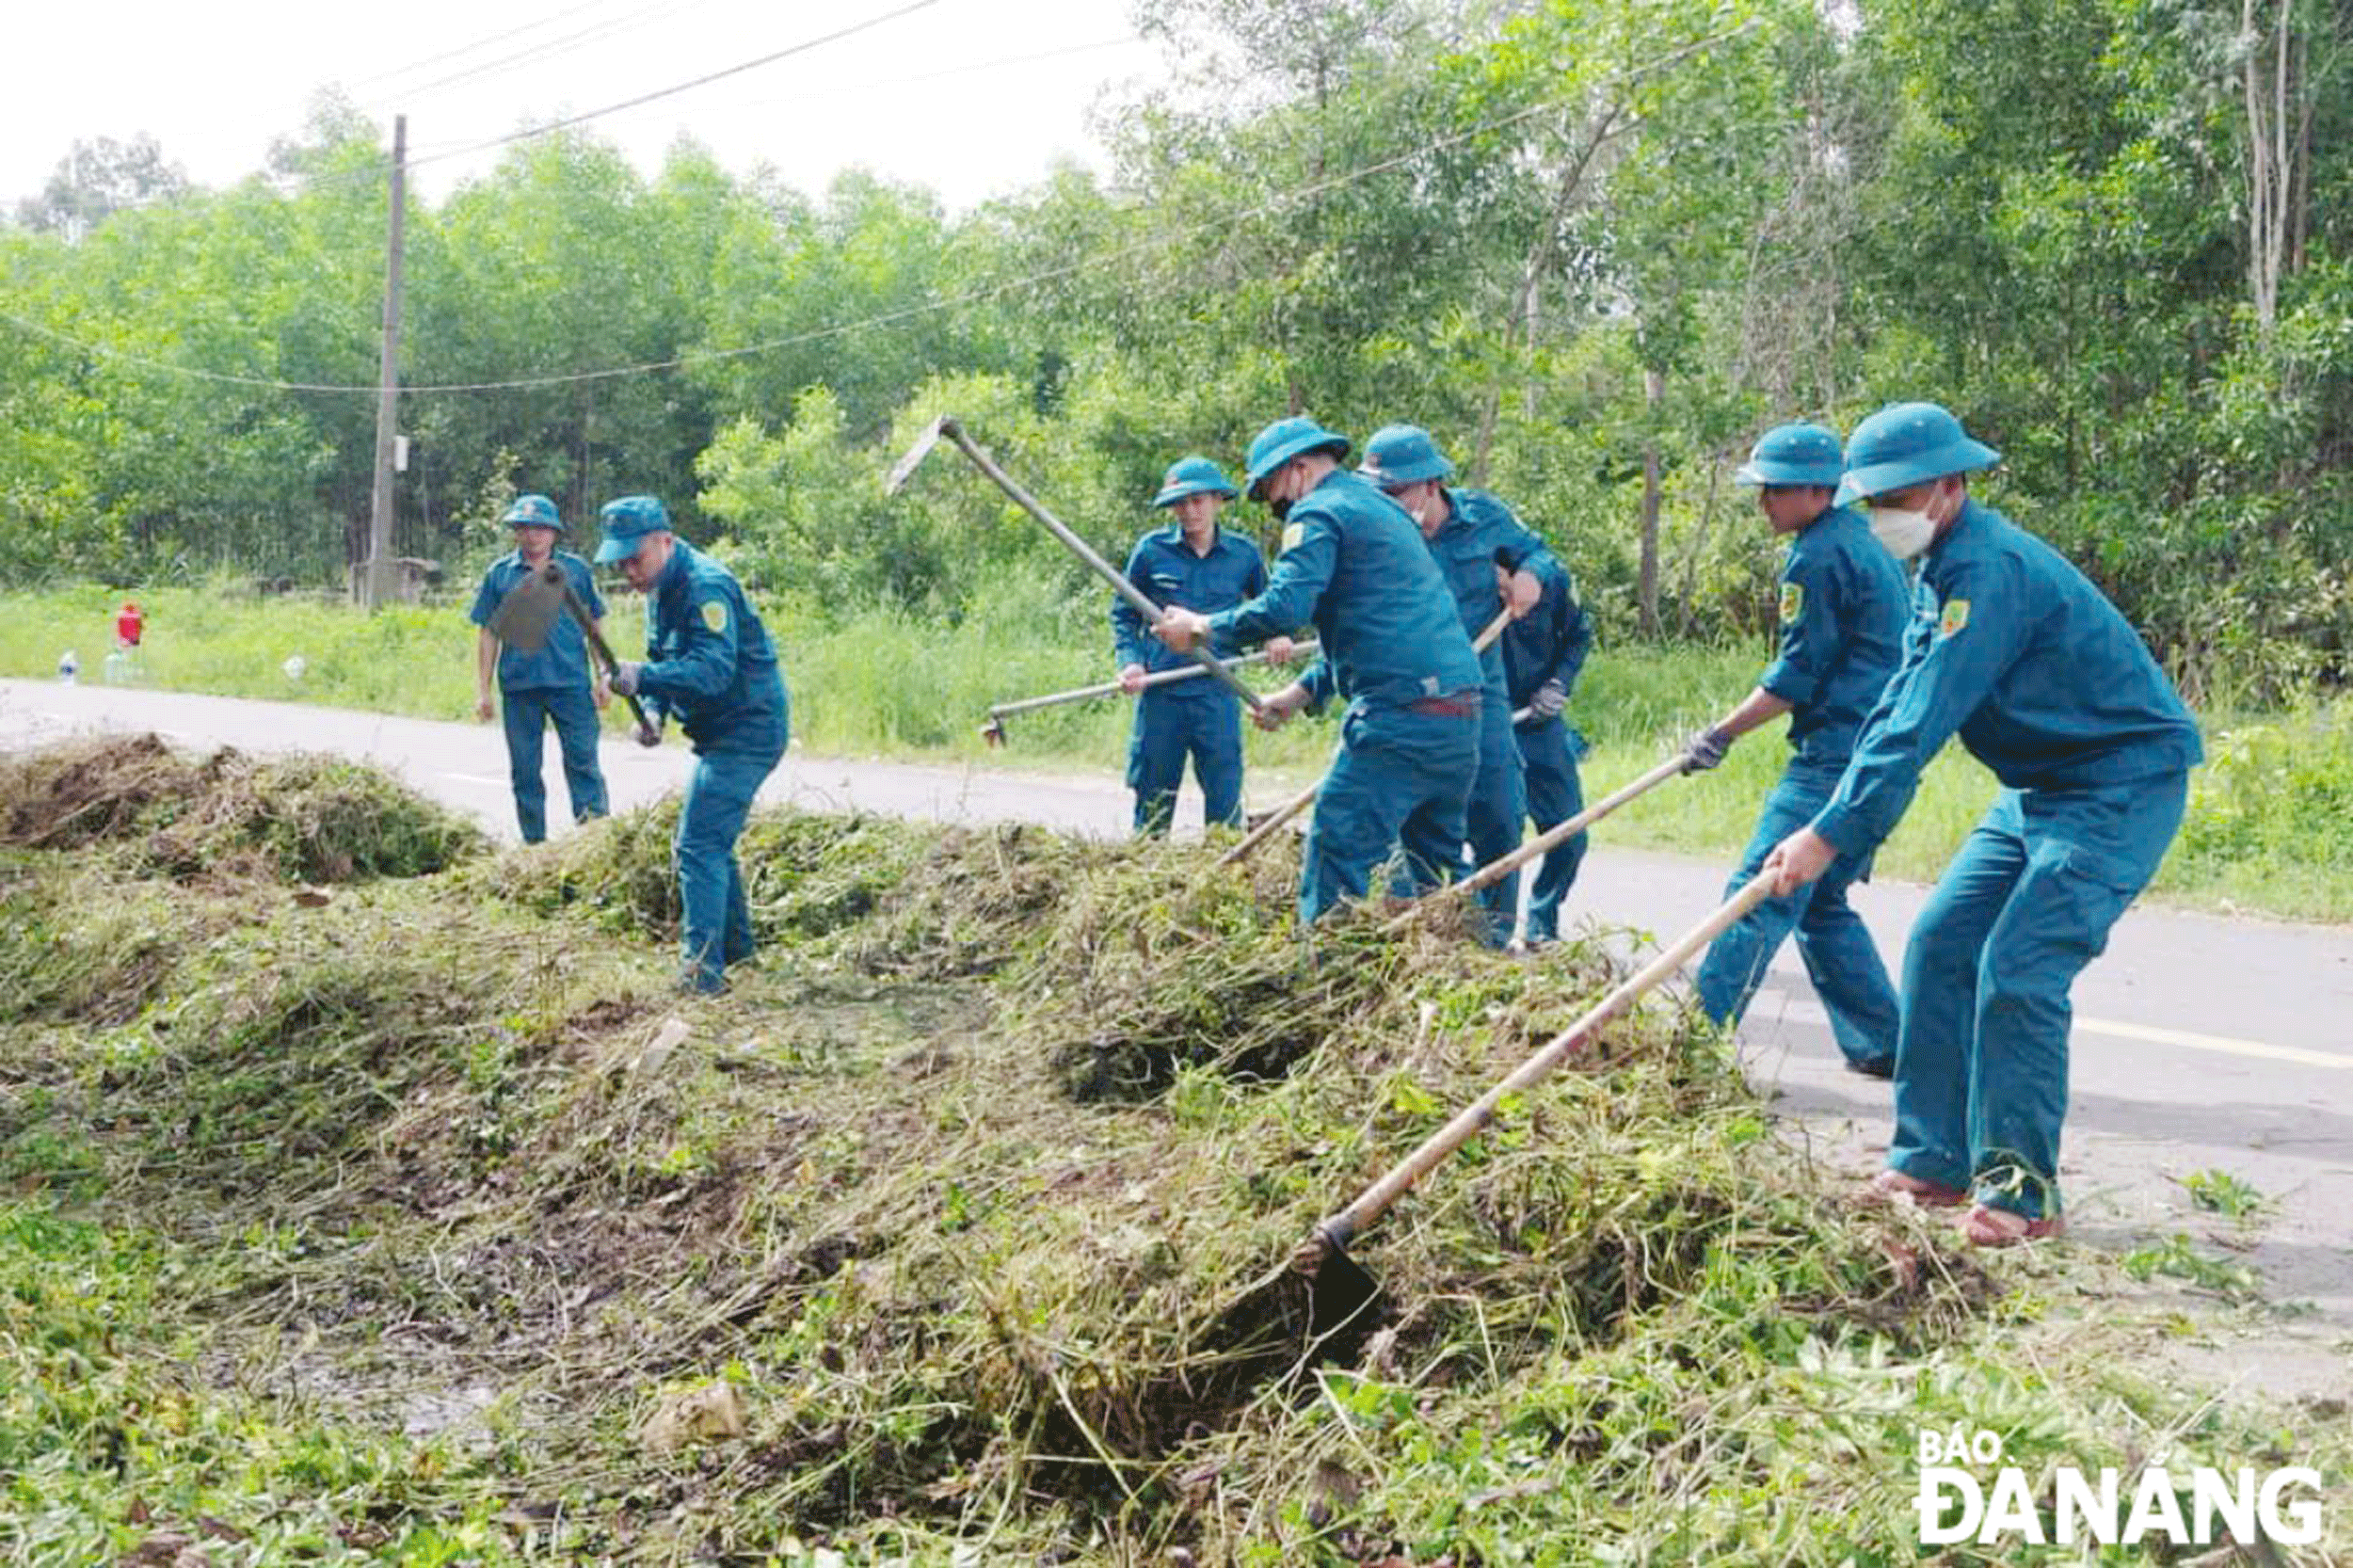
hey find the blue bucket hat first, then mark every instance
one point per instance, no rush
(627, 521)
(1286, 438)
(533, 511)
(1193, 476)
(1402, 454)
(1794, 455)
(1905, 444)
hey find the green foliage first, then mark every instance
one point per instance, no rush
(1595, 247)
(2219, 1191)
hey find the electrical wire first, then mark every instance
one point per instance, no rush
(478, 43)
(571, 121)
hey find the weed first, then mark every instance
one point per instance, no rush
(2219, 1191)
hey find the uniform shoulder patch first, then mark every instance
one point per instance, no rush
(1792, 602)
(1293, 534)
(715, 613)
(1954, 616)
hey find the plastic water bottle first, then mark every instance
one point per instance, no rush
(68, 668)
(293, 667)
(117, 667)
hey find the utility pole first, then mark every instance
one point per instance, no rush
(376, 580)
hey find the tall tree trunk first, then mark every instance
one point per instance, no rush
(2276, 132)
(1653, 393)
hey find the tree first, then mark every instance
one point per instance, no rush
(98, 178)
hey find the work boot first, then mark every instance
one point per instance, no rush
(1881, 1067)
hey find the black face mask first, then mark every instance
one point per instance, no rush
(1281, 510)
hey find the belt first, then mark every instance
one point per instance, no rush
(1462, 705)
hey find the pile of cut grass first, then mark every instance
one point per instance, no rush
(961, 1190)
(308, 818)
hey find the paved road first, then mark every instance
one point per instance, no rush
(2201, 1042)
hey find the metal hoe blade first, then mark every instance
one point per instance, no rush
(527, 615)
(905, 467)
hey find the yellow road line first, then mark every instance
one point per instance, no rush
(2220, 1043)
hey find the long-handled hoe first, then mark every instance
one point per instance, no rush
(1304, 798)
(1341, 1294)
(946, 426)
(994, 730)
(1504, 865)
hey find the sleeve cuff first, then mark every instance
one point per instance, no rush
(1787, 683)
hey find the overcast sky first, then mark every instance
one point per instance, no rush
(973, 98)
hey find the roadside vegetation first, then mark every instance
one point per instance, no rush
(2270, 828)
(362, 1204)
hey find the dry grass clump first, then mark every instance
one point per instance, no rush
(305, 818)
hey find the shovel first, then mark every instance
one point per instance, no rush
(946, 426)
(1343, 1294)
(527, 615)
(1306, 797)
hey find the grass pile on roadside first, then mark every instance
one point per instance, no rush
(943, 1210)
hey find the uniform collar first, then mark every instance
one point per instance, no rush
(677, 571)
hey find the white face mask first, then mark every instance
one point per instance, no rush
(1904, 533)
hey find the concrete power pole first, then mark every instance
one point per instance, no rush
(377, 581)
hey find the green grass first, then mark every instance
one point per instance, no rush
(2270, 826)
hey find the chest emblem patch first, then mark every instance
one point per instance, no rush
(1291, 537)
(1792, 602)
(715, 615)
(1954, 617)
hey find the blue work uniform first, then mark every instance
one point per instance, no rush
(1478, 534)
(710, 665)
(1393, 648)
(1546, 645)
(547, 686)
(1200, 717)
(1843, 602)
(2047, 685)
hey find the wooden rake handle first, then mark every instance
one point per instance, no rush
(1336, 1231)
(1503, 866)
(1306, 797)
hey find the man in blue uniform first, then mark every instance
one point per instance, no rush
(1198, 565)
(1543, 653)
(1353, 563)
(1470, 534)
(709, 663)
(551, 686)
(2011, 647)
(1843, 606)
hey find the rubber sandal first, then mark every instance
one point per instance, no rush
(1894, 1186)
(1987, 1226)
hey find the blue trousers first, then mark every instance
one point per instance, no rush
(1981, 1063)
(1548, 753)
(1838, 951)
(1398, 778)
(1496, 812)
(526, 715)
(1169, 728)
(717, 927)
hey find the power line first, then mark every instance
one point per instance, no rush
(546, 49)
(478, 43)
(1160, 237)
(800, 48)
